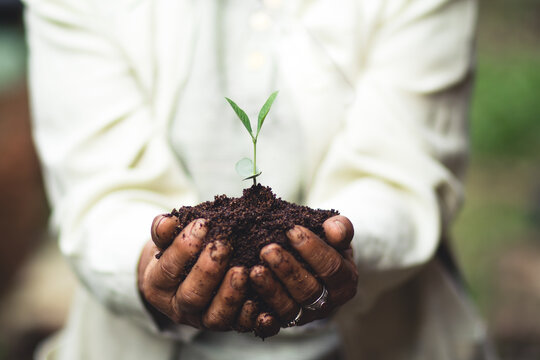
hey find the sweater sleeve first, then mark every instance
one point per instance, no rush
(107, 164)
(395, 167)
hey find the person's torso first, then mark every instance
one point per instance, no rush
(245, 50)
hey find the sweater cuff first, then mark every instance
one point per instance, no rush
(105, 252)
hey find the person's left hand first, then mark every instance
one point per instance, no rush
(295, 287)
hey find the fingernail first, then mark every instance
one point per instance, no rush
(271, 254)
(258, 277)
(157, 220)
(199, 229)
(341, 227)
(163, 229)
(219, 252)
(266, 325)
(256, 271)
(296, 235)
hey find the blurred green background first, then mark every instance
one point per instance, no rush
(496, 236)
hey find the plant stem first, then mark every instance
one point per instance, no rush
(254, 160)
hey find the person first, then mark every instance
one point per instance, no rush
(130, 121)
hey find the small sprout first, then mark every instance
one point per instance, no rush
(246, 167)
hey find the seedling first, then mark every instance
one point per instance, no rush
(246, 167)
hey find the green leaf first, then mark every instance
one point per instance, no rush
(244, 168)
(253, 176)
(264, 110)
(241, 115)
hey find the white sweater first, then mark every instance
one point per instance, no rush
(130, 121)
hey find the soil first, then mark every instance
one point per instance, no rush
(250, 222)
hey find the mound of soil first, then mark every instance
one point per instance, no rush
(250, 222)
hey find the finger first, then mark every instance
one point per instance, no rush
(339, 231)
(196, 290)
(192, 319)
(266, 325)
(163, 229)
(167, 272)
(248, 315)
(147, 253)
(302, 286)
(228, 300)
(273, 293)
(348, 254)
(337, 273)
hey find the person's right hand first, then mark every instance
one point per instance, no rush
(208, 296)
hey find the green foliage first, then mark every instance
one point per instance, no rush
(246, 167)
(506, 107)
(264, 111)
(497, 217)
(241, 115)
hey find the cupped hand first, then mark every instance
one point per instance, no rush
(209, 296)
(287, 286)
